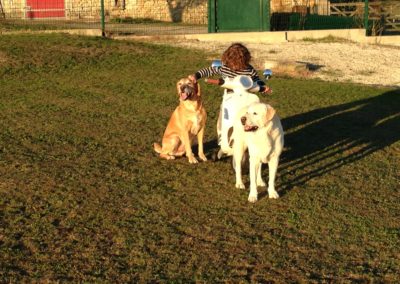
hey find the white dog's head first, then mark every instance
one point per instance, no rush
(258, 115)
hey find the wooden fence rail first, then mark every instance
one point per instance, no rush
(386, 15)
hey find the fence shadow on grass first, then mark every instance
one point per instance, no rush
(325, 139)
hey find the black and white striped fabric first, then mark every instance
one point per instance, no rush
(225, 72)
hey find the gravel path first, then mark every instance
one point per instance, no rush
(332, 61)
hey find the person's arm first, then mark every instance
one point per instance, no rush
(207, 72)
(263, 87)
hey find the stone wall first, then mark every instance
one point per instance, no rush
(13, 9)
(184, 11)
(320, 7)
(83, 9)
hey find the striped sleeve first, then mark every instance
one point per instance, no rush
(227, 72)
(207, 72)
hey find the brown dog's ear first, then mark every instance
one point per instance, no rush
(270, 112)
(197, 87)
(178, 87)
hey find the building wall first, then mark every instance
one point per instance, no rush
(320, 7)
(13, 8)
(186, 11)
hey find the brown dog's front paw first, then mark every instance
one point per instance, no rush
(192, 159)
(167, 156)
(203, 157)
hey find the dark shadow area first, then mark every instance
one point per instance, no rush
(325, 139)
(311, 66)
(209, 147)
(176, 8)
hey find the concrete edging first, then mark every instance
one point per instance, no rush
(355, 35)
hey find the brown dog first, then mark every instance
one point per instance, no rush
(187, 121)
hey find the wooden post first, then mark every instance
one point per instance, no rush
(103, 21)
(323, 7)
(366, 14)
(2, 14)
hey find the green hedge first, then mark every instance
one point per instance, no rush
(318, 22)
(295, 21)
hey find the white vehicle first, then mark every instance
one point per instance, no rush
(241, 94)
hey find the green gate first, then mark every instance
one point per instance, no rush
(238, 15)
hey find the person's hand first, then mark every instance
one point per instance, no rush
(192, 78)
(267, 91)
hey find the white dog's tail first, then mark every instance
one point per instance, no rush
(157, 148)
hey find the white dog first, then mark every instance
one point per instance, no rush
(259, 129)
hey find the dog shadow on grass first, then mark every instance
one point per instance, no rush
(325, 139)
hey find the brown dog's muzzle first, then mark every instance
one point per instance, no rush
(186, 91)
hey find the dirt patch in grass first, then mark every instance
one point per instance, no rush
(3, 58)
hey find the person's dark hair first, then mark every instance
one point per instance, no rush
(237, 57)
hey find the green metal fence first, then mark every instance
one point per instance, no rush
(169, 17)
(377, 17)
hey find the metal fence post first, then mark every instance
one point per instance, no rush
(103, 22)
(266, 19)
(366, 14)
(211, 16)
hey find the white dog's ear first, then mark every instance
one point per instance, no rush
(270, 112)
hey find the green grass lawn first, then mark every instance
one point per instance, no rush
(84, 198)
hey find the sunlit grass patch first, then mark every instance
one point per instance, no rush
(84, 198)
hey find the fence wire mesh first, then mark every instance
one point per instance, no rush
(55, 14)
(378, 17)
(120, 16)
(161, 17)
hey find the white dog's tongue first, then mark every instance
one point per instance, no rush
(183, 96)
(250, 128)
(247, 128)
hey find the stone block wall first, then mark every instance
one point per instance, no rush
(320, 7)
(182, 11)
(185, 11)
(83, 9)
(13, 9)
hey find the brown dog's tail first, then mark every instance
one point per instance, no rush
(157, 148)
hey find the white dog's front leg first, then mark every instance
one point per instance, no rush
(260, 181)
(255, 165)
(237, 157)
(273, 167)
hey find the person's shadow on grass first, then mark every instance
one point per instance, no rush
(325, 139)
